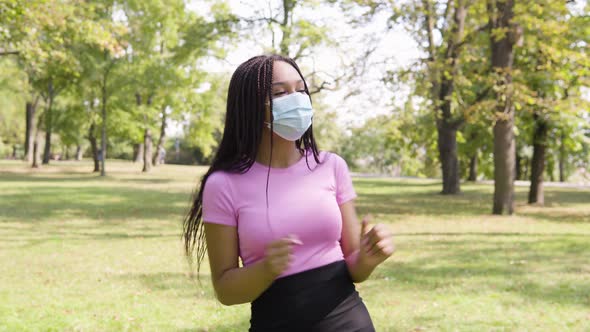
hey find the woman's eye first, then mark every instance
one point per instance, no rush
(278, 93)
(302, 91)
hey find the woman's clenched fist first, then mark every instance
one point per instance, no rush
(279, 254)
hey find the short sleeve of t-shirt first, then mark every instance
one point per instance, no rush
(344, 188)
(218, 206)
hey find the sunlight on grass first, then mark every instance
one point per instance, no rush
(81, 252)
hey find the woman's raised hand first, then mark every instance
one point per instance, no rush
(279, 254)
(376, 243)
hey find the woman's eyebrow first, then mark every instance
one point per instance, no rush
(286, 82)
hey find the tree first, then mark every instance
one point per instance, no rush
(444, 31)
(12, 97)
(202, 112)
(167, 41)
(58, 66)
(504, 34)
(548, 73)
(14, 39)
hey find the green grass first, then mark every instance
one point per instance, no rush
(80, 252)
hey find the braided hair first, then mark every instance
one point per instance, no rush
(249, 88)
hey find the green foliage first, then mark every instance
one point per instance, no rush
(402, 143)
(552, 66)
(159, 50)
(167, 43)
(12, 104)
(205, 110)
(112, 52)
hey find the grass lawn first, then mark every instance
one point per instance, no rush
(80, 252)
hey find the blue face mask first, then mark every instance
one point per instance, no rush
(292, 115)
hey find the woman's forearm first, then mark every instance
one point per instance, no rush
(243, 284)
(357, 269)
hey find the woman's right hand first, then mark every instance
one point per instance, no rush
(279, 255)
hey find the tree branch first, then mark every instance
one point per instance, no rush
(429, 24)
(447, 17)
(254, 20)
(3, 52)
(320, 88)
(469, 37)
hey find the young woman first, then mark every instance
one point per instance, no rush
(273, 200)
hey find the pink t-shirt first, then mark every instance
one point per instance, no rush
(301, 201)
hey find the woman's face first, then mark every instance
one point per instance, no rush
(285, 80)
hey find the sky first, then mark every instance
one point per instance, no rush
(394, 48)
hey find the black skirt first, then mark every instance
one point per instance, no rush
(321, 299)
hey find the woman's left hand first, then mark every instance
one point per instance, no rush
(376, 244)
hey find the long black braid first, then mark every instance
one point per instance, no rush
(249, 88)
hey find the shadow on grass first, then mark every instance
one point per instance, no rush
(382, 196)
(395, 197)
(549, 269)
(20, 242)
(108, 204)
(404, 203)
(560, 196)
(561, 217)
(71, 177)
(64, 177)
(379, 182)
(462, 234)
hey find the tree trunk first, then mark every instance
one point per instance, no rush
(36, 152)
(443, 85)
(518, 167)
(550, 167)
(447, 148)
(79, 152)
(47, 149)
(140, 149)
(158, 155)
(503, 167)
(473, 167)
(103, 139)
(147, 136)
(103, 142)
(147, 151)
(94, 147)
(500, 16)
(48, 124)
(138, 152)
(135, 150)
(67, 154)
(288, 6)
(29, 130)
(562, 157)
(538, 163)
(14, 148)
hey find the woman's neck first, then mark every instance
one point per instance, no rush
(284, 153)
